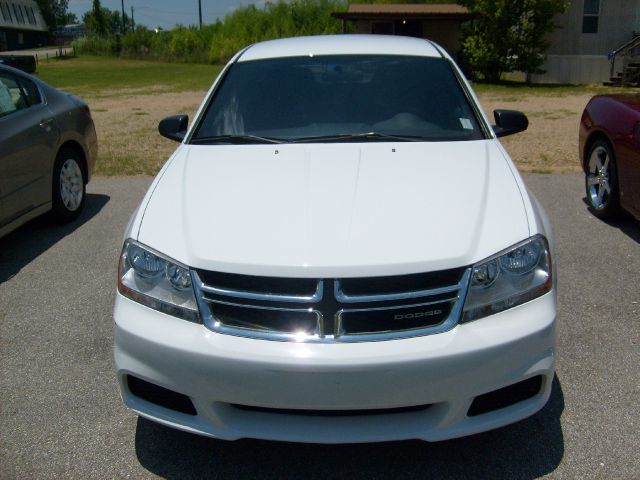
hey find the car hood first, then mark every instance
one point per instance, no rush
(335, 210)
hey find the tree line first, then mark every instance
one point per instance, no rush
(502, 36)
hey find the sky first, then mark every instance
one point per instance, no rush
(165, 13)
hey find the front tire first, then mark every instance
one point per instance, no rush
(69, 186)
(601, 181)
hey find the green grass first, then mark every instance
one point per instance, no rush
(105, 76)
(512, 90)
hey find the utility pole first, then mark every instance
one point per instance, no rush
(200, 12)
(124, 25)
(133, 23)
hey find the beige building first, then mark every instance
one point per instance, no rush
(588, 32)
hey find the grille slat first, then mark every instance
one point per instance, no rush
(313, 310)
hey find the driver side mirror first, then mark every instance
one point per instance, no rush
(175, 127)
(509, 122)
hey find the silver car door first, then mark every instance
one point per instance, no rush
(28, 137)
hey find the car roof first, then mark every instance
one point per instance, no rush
(340, 45)
(15, 71)
(20, 73)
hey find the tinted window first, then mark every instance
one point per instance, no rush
(293, 98)
(31, 92)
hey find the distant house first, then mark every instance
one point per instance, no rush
(439, 22)
(587, 33)
(21, 25)
(71, 31)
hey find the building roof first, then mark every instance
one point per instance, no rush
(388, 10)
(21, 15)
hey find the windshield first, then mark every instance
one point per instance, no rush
(339, 98)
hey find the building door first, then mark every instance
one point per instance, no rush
(3, 42)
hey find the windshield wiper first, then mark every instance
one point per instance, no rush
(234, 139)
(375, 136)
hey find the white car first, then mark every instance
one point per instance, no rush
(340, 250)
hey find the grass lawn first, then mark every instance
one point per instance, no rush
(101, 77)
(516, 89)
(129, 97)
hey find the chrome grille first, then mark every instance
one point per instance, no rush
(331, 310)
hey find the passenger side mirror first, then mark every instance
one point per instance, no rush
(509, 122)
(175, 127)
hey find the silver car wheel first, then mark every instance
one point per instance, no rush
(598, 178)
(71, 185)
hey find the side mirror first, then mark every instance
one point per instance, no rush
(175, 127)
(509, 122)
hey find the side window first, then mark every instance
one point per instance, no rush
(590, 15)
(6, 13)
(31, 92)
(11, 96)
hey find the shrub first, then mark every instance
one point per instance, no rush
(218, 42)
(96, 45)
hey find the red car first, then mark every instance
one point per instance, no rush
(610, 153)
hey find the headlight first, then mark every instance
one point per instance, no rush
(154, 280)
(510, 278)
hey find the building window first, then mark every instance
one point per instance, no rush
(29, 14)
(590, 16)
(6, 13)
(20, 38)
(33, 16)
(18, 13)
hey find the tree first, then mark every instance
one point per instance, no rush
(69, 18)
(53, 12)
(96, 21)
(106, 22)
(508, 35)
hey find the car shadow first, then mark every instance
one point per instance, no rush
(623, 221)
(31, 240)
(528, 449)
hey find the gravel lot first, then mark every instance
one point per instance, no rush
(127, 122)
(61, 415)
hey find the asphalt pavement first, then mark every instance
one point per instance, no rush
(61, 414)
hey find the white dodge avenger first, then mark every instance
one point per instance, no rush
(340, 250)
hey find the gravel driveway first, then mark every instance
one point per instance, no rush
(61, 415)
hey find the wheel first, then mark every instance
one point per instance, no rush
(68, 186)
(601, 180)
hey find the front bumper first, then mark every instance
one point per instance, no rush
(446, 371)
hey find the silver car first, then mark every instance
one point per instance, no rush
(48, 150)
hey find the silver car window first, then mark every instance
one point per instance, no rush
(11, 96)
(31, 92)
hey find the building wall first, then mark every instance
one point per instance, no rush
(13, 39)
(574, 69)
(577, 57)
(446, 33)
(617, 20)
